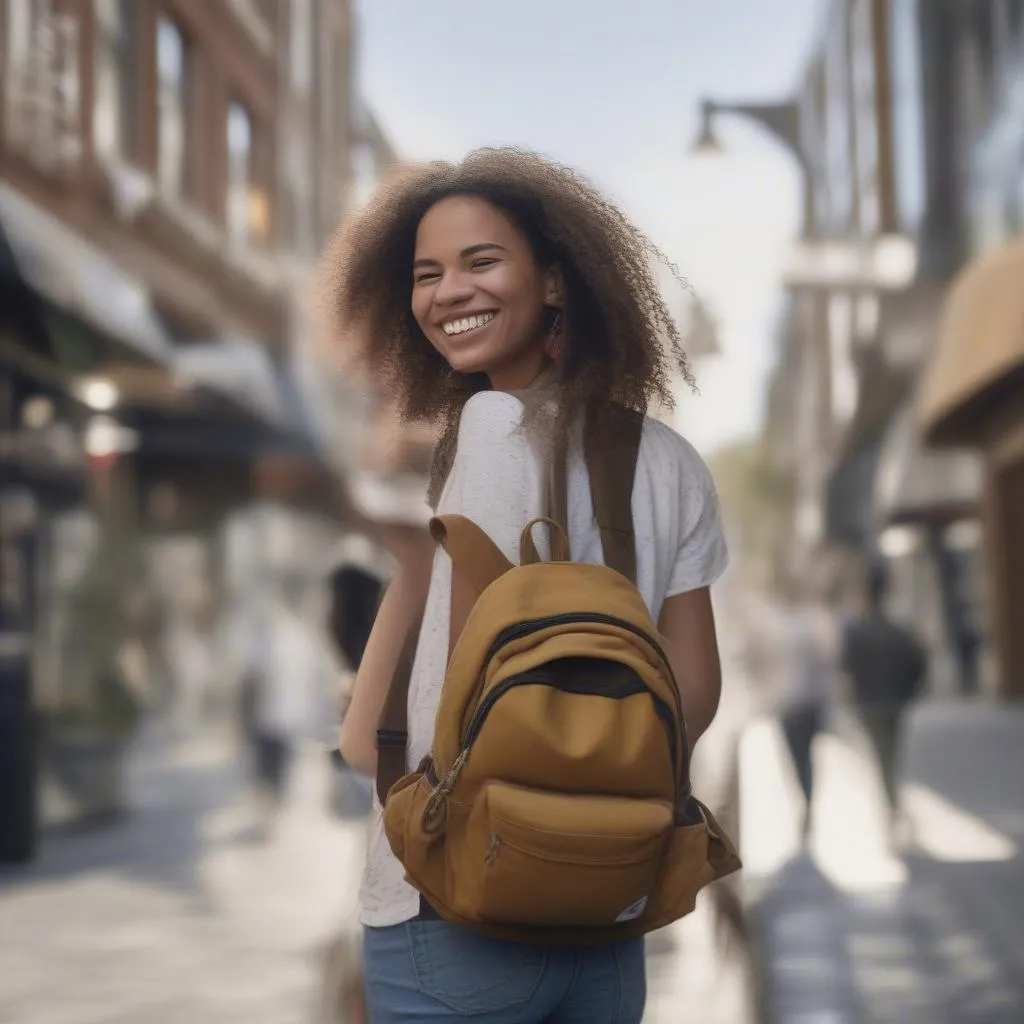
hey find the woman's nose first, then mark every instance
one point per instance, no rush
(454, 287)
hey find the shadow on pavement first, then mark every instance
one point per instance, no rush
(158, 841)
(945, 946)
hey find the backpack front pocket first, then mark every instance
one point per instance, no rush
(530, 857)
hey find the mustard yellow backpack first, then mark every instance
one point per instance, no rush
(555, 805)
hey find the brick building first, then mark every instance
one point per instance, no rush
(169, 172)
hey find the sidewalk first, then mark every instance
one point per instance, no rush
(693, 976)
(175, 915)
(851, 934)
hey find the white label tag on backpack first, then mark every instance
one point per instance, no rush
(633, 911)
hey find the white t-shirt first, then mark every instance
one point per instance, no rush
(810, 657)
(297, 671)
(499, 481)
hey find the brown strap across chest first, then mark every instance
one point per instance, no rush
(393, 730)
(611, 446)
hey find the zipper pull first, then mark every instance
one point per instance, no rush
(492, 848)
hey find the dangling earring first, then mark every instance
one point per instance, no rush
(554, 344)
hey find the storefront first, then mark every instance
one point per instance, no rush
(94, 394)
(849, 518)
(972, 395)
(41, 476)
(927, 508)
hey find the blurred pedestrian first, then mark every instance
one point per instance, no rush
(289, 671)
(190, 654)
(355, 585)
(886, 666)
(808, 670)
(502, 298)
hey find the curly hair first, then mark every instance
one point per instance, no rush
(622, 344)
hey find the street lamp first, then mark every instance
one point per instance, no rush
(782, 119)
(706, 143)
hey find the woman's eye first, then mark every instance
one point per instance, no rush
(429, 275)
(481, 263)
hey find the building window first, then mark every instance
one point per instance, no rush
(1015, 21)
(22, 16)
(22, 29)
(908, 116)
(979, 69)
(840, 174)
(114, 114)
(1019, 196)
(248, 210)
(41, 85)
(173, 94)
(300, 58)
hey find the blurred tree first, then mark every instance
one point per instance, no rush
(757, 500)
(102, 623)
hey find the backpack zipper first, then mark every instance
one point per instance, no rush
(545, 678)
(521, 629)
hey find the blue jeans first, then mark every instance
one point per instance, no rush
(435, 971)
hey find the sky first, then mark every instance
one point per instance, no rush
(612, 88)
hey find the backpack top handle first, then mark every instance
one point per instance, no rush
(528, 554)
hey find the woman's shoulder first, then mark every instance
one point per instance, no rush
(492, 403)
(489, 442)
(487, 411)
(665, 451)
(489, 415)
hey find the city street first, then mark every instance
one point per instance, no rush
(849, 933)
(177, 914)
(694, 974)
(253, 273)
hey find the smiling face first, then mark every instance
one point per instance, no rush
(478, 293)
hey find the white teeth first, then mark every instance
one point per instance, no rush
(467, 323)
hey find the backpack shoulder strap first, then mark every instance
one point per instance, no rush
(480, 562)
(612, 445)
(393, 729)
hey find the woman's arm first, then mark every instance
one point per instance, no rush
(687, 626)
(402, 602)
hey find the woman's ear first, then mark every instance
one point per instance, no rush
(554, 286)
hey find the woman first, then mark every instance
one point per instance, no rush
(499, 297)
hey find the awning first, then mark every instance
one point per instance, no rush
(915, 484)
(981, 342)
(240, 368)
(75, 276)
(849, 512)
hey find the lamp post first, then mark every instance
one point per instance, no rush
(782, 120)
(815, 433)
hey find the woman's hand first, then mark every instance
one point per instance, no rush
(402, 603)
(412, 547)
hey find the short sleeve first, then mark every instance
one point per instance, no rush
(496, 478)
(702, 554)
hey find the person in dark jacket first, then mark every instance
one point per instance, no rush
(355, 597)
(886, 666)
